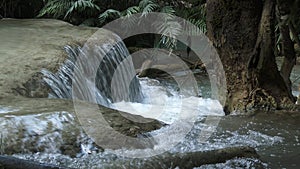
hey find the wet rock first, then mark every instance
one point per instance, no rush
(198, 158)
(8, 162)
(35, 87)
(166, 160)
(52, 126)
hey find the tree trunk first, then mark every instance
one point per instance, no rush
(243, 33)
(283, 12)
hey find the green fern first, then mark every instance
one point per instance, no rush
(168, 10)
(195, 15)
(144, 7)
(55, 8)
(130, 11)
(169, 30)
(64, 8)
(200, 24)
(147, 6)
(130, 18)
(82, 6)
(109, 14)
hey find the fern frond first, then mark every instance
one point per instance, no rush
(130, 11)
(56, 8)
(82, 6)
(109, 14)
(147, 6)
(201, 24)
(168, 10)
(169, 31)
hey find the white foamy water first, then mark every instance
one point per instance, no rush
(4, 109)
(165, 104)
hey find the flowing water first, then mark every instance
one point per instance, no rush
(89, 72)
(274, 136)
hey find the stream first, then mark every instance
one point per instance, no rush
(47, 130)
(275, 136)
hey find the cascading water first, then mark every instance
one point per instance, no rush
(113, 72)
(46, 131)
(153, 97)
(83, 59)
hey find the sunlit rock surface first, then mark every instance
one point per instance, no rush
(27, 46)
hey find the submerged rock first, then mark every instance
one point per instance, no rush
(51, 126)
(166, 160)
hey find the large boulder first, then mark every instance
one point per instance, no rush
(27, 46)
(35, 123)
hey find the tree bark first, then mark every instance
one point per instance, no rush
(243, 34)
(283, 13)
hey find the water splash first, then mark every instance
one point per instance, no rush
(165, 103)
(4, 109)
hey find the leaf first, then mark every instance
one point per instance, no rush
(55, 8)
(168, 10)
(130, 11)
(169, 30)
(147, 6)
(110, 13)
(82, 6)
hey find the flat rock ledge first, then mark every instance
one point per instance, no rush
(29, 45)
(30, 125)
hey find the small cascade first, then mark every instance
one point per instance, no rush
(102, 74)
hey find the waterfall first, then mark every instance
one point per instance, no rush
(103, 74)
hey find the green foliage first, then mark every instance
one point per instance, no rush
(55, 8)
(109, 14)
(131, 10)
(61, 9)
(168, 10)
(169, 29)
(144, 7)
(201, 24)
(195, 15)
(147, 6)
(82, 6)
